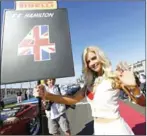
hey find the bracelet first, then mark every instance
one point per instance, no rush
(133, 87)
(138, 96)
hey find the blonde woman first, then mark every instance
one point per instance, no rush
(102, 91)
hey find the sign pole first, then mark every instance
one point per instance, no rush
(40, 110)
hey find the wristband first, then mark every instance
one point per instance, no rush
(138, 96)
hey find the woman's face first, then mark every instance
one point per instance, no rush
(93, 62)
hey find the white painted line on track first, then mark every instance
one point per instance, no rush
(82, 103)
(79, 103)
(27, 103)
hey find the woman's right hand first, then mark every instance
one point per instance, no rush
(39, 91)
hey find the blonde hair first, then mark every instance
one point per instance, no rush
(106, 65)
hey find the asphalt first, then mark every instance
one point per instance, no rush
(81, 121)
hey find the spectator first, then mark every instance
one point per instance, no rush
(122, 95)
(143, 83)
(26, 97)
(136, 74)
(19, 97)
(2, 105)
(28, 94)
(56, 112)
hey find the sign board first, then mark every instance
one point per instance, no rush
(35, 5)
(36, 45)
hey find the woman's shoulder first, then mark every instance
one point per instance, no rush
(112, 82)
(107, 83)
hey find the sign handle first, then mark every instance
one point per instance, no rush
(40, 110)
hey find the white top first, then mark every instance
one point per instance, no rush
(105, 101)
(56, 108)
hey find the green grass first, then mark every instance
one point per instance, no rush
(10, 105)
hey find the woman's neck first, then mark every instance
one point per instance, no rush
(50, 86)
(100, 73)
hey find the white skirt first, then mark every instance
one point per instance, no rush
(117, 127)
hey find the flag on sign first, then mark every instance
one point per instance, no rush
(37, 43)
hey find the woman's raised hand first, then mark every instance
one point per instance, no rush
(125, 74)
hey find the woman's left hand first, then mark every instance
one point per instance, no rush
(125, 75)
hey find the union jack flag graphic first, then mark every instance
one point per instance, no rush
(37, 43)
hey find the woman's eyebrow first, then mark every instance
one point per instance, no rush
(94, 57)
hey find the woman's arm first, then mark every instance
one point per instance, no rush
(135, 95)
(132, 91)
(128, 83)
(39, 91)
(68, 100)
